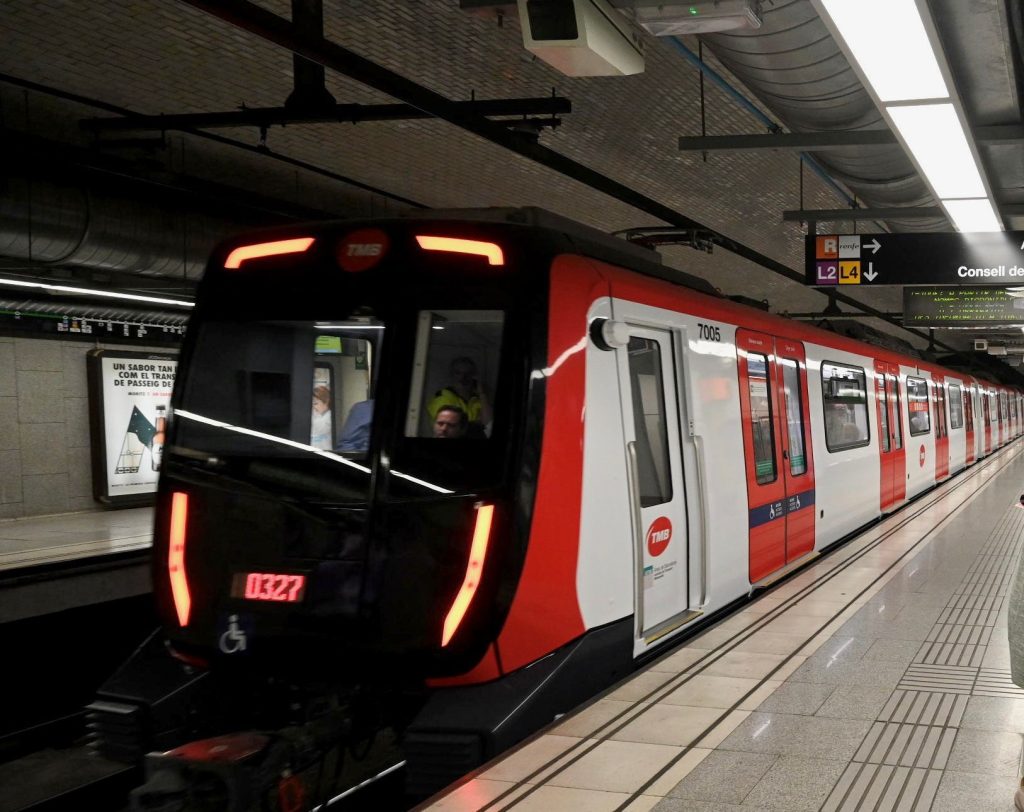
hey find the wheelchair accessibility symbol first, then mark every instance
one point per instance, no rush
(234, 639)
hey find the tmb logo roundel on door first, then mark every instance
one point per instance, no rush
(921, 456)
(658, 535)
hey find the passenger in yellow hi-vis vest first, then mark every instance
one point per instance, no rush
(466, 393)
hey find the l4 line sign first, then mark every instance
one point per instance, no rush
(946, 258)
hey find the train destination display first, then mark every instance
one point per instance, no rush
(960, 307)
(947, 258)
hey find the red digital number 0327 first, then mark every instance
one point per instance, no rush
(269, 586)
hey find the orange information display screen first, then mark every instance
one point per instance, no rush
(274, 587)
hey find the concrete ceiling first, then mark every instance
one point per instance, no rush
(64, 63)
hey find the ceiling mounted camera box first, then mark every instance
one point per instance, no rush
(582, 37)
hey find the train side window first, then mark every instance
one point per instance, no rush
(893, 385)
(455, 373)
(794, 416)
(956, 407)
(647, 388)
(845, 401)
(917, 406)
(761, 418)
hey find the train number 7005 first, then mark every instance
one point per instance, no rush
(709, 332)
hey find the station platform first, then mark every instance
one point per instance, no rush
(52, 563)
(40, 540)
(876, 678)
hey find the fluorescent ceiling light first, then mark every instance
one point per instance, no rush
(933, 134)
(105, 294)
(889, 42)
(973, 215)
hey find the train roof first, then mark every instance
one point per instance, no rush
(585, 239)
(592, 242)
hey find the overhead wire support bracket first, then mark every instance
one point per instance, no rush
(650, 237)
(338, 113)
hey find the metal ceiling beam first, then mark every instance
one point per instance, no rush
(891, 213)
(252, 149)
(989, 136)
(819, 316)
(280, 31)
(338, 113)
(310, 88)
(786, 141)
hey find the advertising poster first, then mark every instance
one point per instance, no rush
(129, 398)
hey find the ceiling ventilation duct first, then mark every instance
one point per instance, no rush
(87, 220)
(797, 71)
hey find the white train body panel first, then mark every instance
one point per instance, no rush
(847, 481)
(608, 579)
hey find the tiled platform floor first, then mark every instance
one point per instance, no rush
(48, 539)
(877, 679)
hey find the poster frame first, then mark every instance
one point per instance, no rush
(101, 485)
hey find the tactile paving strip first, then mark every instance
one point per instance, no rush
(996, 682)
(951, 679)
(924, 708)
(900, 762)
(902, 745)
(968, 654)
(881, 786)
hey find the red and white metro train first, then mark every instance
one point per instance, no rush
(654, 453)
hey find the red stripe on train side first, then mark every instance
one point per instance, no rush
(545, 612)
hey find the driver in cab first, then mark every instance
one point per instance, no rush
(450, 423)
(465, 393)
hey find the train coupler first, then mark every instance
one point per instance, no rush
(239, 772)
(224, 772)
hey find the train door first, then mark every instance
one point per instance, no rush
(893, 485)
(968, 395)
(899, 467)
(941, 428)
(993, 400)
(797, 454)
(773, 494)
(1004, 422)
(986, 410)
(650, 406)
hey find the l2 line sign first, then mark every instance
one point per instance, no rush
(947, 258)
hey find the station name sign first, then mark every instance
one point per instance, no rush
(947, 258)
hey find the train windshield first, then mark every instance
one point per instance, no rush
(284, 392)
(294, 404)
(454, 374)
